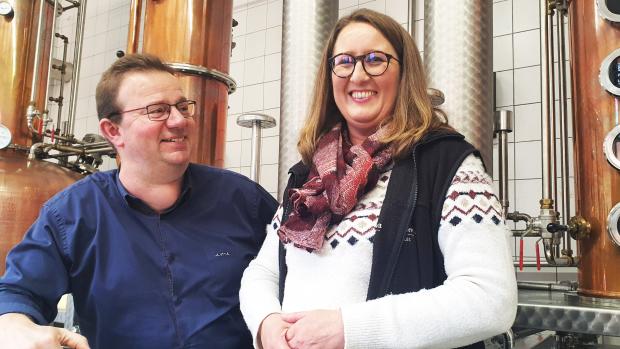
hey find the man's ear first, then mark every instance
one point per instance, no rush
(111, 131)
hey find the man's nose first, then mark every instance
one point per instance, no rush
(176, 119)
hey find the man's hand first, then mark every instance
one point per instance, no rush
(17, 331)
(271, 334)
(315, 329)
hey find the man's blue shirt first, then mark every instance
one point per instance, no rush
(142, 279)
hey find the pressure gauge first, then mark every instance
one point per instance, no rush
(5, 136)
(5, 8)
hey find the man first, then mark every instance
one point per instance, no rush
(153, 253)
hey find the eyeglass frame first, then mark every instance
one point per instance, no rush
(148, 115)
(360, 58)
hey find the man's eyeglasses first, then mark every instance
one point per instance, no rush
(374, 63)
(161, 111)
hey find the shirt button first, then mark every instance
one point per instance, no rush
(170, 258)
(177, 300)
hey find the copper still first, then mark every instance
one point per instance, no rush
(194, 37)
(24, 184)
(595, 38)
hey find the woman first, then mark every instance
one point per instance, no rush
(389, 235)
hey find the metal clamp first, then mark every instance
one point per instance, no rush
(231, 84)
(613, 222)
(609, 144)
(603, 76)
(605, 12)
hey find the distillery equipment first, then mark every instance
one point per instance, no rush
(28, 133)
(194, 38)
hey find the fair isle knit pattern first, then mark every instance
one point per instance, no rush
(471, 197)
(477, 300)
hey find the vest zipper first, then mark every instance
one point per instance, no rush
(414, 199)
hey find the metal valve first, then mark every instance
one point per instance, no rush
(579, 228)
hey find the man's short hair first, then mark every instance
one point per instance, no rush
(107, 88)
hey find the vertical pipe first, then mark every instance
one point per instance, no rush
(564, 127)
(503, 126)
(411, 15)
(133, 34)
(77, 63)
(63, 72)
(49, 65)
(37, 54)
(552, 120)
(256, 145)
(305, 28)
(546, 108)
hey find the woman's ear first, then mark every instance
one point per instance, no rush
(111, 131)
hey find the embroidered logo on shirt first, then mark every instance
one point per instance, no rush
(221, 254)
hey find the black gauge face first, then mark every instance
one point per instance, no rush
(613, 6)
(614, 71)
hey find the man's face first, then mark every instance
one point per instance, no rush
(152, 145)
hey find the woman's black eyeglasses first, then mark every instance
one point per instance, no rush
(374, 63)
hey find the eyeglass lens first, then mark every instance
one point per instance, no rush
(161, 111)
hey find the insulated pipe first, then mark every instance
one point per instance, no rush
(458, 55)
(305, 28)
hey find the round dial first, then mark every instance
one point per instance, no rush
(5, 136)
(5, 8)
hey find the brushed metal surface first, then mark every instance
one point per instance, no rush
(568, 312)
(458, 55)
(305, 28)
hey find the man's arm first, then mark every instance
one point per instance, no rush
(35, 279)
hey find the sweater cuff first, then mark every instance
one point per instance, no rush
(261, 310)
(362, 326)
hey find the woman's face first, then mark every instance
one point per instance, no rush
(365, 100)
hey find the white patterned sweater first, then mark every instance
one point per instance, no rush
(477, 300)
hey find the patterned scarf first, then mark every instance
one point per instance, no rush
(340, 174)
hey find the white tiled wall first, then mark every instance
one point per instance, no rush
(255, 65)
(517, 64)
(105, 32)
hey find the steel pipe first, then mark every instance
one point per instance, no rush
(77, 64)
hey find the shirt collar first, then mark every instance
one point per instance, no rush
(139, 205)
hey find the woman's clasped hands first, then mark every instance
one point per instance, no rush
(308, 329)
